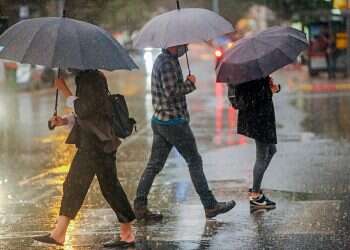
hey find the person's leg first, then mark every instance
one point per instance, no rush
(114, 194)
(75, 187)
(264, 154)
(160, 151)
(182, 138)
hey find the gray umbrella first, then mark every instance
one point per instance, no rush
(63, 43)
(182, 26)
(260, 55)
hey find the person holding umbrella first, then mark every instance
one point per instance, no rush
(256, 119)
(170, 125)
(74, 44)
(247, 68)
(172, 31)
(93, 136)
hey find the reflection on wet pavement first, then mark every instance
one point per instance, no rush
(308, 177)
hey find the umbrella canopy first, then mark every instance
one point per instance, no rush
(63, 43)
(260, 55)
(182, 26)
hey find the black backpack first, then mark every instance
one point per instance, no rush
(122, 124)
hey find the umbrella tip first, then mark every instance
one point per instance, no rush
(178, 4)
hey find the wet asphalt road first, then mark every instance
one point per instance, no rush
(309, 176)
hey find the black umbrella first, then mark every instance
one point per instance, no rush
(260, 55)
(60, 42)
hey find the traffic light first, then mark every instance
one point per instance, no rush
(4, 24)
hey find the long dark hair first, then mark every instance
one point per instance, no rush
(92, 89)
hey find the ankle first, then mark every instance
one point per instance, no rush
(254, 194)
(127, 236)
(60, 238)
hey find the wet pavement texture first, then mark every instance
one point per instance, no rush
(308, 177)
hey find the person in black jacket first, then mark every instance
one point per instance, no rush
(93, 136)
(256, 119)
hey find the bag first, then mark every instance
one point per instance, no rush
(236, 101)
(122, 124)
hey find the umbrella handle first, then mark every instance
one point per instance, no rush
(49, 124)
(188, 64)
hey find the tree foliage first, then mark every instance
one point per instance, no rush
(130, 15)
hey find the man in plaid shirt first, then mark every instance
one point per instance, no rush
(170, 125)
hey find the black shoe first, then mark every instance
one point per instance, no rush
(47, 239)
(220, 208)
(261, 201)
(143, 214)
(118, 243)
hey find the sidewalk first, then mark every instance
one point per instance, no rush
(299, 80)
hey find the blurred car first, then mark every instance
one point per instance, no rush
(221, 45)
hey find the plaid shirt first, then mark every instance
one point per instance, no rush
(169, 89)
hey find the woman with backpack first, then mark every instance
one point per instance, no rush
(96, 142)
(256, 119)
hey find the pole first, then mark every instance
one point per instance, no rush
(215, 5)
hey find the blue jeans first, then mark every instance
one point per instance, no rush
(165, 137)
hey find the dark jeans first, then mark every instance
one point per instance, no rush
(165, 137)
(264, 154)
(85, 165)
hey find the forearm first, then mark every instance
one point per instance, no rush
(187, 87)
(62, 86)
(179, 88)
(68, 120)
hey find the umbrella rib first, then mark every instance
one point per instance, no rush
(31, 42)
(16, 32)
(56, 44)
(257, 61)
(110, 38)
(166, 29)
(80, 50)
(209, 24)
(277, 47)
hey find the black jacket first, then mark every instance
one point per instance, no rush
(257, 119)
(93, 127)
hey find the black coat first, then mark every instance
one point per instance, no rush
(93, 127)
(257, 119)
